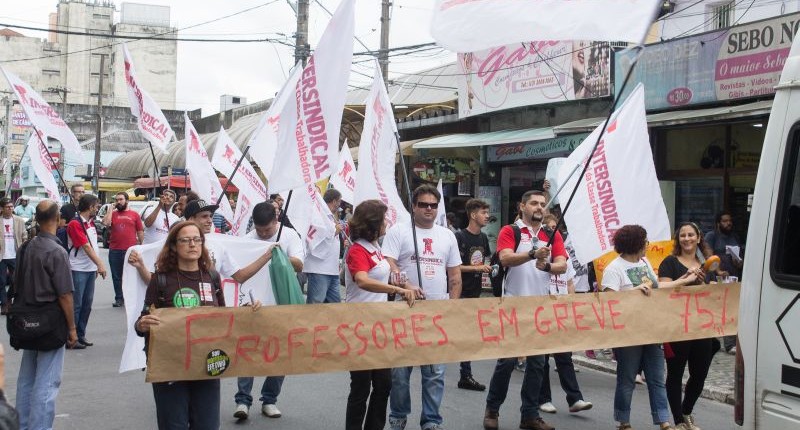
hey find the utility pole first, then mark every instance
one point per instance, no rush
(383, 55)
(301, 47)
(99, 131)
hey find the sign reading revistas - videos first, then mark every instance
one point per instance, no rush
(739, 62)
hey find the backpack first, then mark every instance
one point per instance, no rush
(500, 276)
(62, 236)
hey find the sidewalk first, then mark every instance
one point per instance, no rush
(719, 383)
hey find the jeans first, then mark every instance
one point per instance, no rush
(372, 385)
(630, 359)
(82, 296)
(6, 265)
(531, 385)
(566, 376)
(116, 262)
(269, 391)
(323, 288)
(187, 404)
(37, 388)
(432, 393)
(697, 354)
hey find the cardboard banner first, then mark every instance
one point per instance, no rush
(471, 25)
(42, 166)
(656, 253)
(201, 174)
(151, 121)
(344, 179)
(203, 343)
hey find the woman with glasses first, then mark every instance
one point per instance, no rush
(184, 278)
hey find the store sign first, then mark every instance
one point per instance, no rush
(739, 62)
(19, 119)
(524, 74)
(541, 149)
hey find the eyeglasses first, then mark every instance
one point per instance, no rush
(424, 205)
(188, 240)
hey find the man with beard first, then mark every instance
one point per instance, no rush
(721, 240)
(126, 230)
(530, 263)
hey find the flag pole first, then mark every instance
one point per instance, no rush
(156, 172)
(283, 215)
(235, 169)
(44, 146)
(560, 221)
(407, 182)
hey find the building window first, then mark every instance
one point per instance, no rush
(719, 15)
(235, 100)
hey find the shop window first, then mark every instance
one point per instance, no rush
(698, 201)
(741, 189)
(786, 238)
(695, 148)
(746, 144)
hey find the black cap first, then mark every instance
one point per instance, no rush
(194, 207)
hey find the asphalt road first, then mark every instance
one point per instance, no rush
(95, 396)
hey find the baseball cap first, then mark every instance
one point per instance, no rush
(194, 207)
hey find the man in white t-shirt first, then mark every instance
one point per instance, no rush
(159, 218)
(14, 234)
(321, 265)
(439, 261)
(266, 226)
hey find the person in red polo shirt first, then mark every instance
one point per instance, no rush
(127, 230)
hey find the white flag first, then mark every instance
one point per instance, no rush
(264, 141)
(310, 216)
(344, 178)
(308, 142)
(376, 155)
(42, 165)
(620, 187)
(42, 115)
(201, 174)
(152, 122)
(441, 212)
(251, 188)
(474, 25)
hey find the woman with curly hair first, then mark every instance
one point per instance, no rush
(367, 280)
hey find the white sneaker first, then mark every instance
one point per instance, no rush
(639, 379)
(242, 412)
(732, 351)
(270, 411)
(548, 407)
(580, 405)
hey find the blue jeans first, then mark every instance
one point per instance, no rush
(566, 376)
(531, 385)
(37, 388)
(116, 262)
(6, 265)
(187, 404)
(269, 391)
(432, 393)
(651, 359)
(82, 296)
(323, 288)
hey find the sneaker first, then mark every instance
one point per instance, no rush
(520, 366)
(270, 410)
(490, 420)
(624, 426)
(535, 424)
(469, 383)
(580, 405)
(84, 342)
(732, 351)
(639, 379)
(590, 354)
(118, 304)
(688, 421)
(548, 407)
(242, 412)
(397, 423)
(434, 427)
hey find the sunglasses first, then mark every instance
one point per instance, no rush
(424, 205)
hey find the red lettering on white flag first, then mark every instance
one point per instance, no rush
(344, 178)
(152, 122)
(201, 174)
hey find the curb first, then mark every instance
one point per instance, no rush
(714, 393)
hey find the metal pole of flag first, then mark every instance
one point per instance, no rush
(558, 191)
(407, 181)
(156, 172)
(235, 169)
(594, 148)
(47, 151)
(283, 215)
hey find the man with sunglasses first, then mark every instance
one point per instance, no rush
(440, 262)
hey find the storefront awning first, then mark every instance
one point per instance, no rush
(406, 146)
(467, 140)
(177, 181)
(678, 117)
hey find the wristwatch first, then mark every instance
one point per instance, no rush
(532, 253)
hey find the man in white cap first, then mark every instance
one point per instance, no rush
(23, 209)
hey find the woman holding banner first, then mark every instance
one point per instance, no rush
(631, 271)
(185, 277)
(367, 280)
(685, 267)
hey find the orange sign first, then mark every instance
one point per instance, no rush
(656, 253)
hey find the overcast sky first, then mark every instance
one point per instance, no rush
(257, 70)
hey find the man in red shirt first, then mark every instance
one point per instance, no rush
(126, 230)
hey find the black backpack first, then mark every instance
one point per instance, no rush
(62, 236)
(500, 276)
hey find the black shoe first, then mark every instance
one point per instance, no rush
(78, 345)
(84, 342)
(469, 383)
(118, 304)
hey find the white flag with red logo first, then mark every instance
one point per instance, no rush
(43, 166)
(308, 143)
(344, 179)
(202, 176)
(264, 141)
(377, 152)
(474, 25)
(251, 188)
(152, 122)
(310, 216)
(620, 186)
(42, 115)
